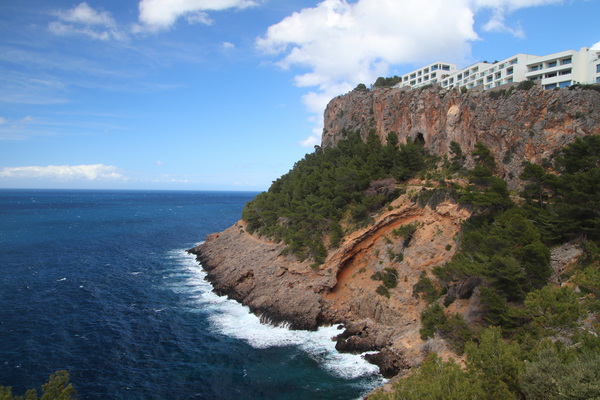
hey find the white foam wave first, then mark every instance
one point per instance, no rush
(230, 318)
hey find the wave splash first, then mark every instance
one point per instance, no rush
(228, 316)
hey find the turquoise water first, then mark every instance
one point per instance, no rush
(99, 283)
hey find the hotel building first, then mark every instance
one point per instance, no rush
(554, 70)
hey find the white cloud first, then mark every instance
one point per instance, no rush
(339, 43)
(158, 15)
(83, 19)
(228, 46)
(496, 24)
(64, 172)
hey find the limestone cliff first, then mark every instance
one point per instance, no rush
(515, 124)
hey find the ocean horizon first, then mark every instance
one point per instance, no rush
(99, 282)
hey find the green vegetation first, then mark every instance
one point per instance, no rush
(389, 280)
(425, 288)
(330, 189)
(525, 85)
(387, 82)
(57, 388)
(405, 232)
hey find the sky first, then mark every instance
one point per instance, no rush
(225, 94)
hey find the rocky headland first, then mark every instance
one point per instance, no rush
(516, 125)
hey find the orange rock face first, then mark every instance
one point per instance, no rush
(517, 125)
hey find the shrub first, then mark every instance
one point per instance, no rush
(525, 85)
(389, 277)
(426, 288)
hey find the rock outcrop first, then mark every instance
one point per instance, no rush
(515, 124)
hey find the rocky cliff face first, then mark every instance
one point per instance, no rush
(515, 124)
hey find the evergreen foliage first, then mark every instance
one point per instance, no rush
(435, 380)
(348, 183)
(57, 388)
(387, 82)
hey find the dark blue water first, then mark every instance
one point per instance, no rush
(98, 283)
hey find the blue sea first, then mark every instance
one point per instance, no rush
(99, 283)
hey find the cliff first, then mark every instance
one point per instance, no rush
(515, 124)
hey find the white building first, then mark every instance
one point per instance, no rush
(554, 70)
(565, 68)
(432, 73)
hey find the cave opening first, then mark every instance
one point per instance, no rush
(419, 139)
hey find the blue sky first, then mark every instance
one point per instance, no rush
(225, 94)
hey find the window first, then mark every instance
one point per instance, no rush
(498, 75)
(433, 75)
(413, 75)
(489, 78)
(598, 79)
(565, 72)
(446, 67)
(566, 61)
(459, 77)
(513, 61)
(426, 77)
(598, 68)
(426, 70)
(534, 67)
(550, 86)
(420, 73)
(564, 84)
(467, 73)
(552, 64)
(551, 75)
(413, 83)
(509, 71)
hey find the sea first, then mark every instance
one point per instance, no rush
(99, 283)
